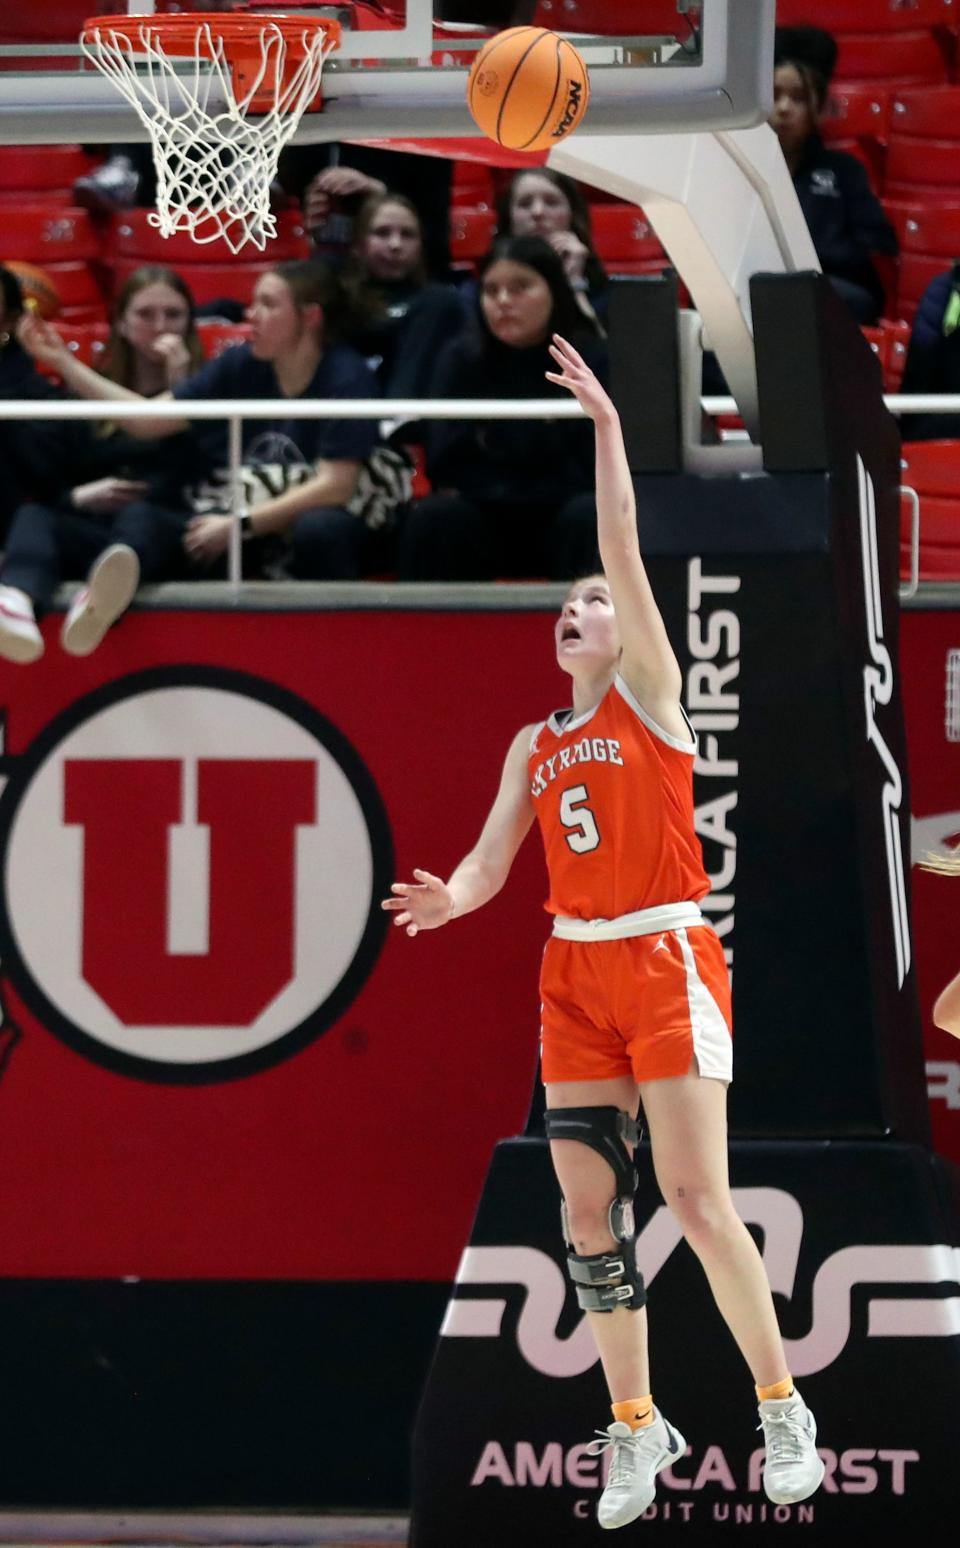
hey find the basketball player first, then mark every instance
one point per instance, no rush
(634, 988)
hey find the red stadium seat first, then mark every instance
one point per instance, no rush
(929, 114)
(472, 184)
(132, 236)
(206, 281)
(897, 342)
(85, 340)
(625, 241)
(933, 229)
(865, 15)
(916, 272)
(922, 169)
(471, 232)
(929, 236)
(216, 337)
(891, 57)
(856, 110)
(923, 158)
(932, 468)
(36, 168)
(41, 235)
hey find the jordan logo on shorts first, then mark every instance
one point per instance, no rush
(661, 945)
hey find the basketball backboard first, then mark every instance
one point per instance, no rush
(656, 66)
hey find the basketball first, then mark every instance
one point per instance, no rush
(39, 293)
(528, 88)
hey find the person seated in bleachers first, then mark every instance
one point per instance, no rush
(933, 356)
(332, 181)
(300, 476)
(512, 497)
(544, 203)
(845, 219)
(85, 474)
(402, 319)
(26, 466)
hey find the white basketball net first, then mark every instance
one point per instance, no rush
(214, 166)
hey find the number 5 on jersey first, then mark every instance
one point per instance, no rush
(575, 814)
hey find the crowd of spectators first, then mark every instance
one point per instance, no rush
(377, 312)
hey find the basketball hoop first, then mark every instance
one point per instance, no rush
(220, 96)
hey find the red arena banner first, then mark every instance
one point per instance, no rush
(930, 673)
(215, 1054)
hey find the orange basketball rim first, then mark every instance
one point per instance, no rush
(204, 34)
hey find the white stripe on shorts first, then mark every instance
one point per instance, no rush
(712, 1043)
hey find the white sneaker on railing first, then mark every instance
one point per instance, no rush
(20, 639)
(793, 1469)
(636, 1457)
(110, 589)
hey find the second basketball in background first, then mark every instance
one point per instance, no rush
(528, 88)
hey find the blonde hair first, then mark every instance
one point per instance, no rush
(943, 865)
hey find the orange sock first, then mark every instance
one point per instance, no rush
(636, 1412)
(780, 1389)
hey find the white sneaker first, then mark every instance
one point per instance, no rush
(20, 639)
(793, 1469)
(637, 1456)
(109, 591)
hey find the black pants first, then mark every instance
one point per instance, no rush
(47, 544)
(330, 544)
(448, 538)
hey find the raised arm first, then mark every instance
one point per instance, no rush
(649, 666)
(41, 340)
(427, 903)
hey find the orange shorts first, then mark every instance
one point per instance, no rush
(645, 1006)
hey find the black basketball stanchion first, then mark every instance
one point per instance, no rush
(779, 592)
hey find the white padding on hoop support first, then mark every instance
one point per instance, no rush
(724, 207)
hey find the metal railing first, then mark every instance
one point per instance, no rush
(233, 411)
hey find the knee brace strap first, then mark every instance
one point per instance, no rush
(608, 1279)
(603, 1129)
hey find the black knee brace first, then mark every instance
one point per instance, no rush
(604, 1280)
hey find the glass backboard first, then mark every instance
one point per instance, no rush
(655, 66)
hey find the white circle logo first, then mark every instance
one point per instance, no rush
(192, 861)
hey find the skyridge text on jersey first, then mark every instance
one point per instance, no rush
(596, 749)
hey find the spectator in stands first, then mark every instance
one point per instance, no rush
(512, 497)
(86, 474)
(402, 319)
(845, 219)
(25, 465)
(331, 194)
(299, 474)
(153, 342)
(933, 356)
(548, 204)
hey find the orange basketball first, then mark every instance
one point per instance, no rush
(39, 293)
(528, 88)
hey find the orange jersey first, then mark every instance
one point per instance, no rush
(613, 794)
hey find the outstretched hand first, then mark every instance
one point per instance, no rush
(574, 374)
(41, 340)
(425, 904)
